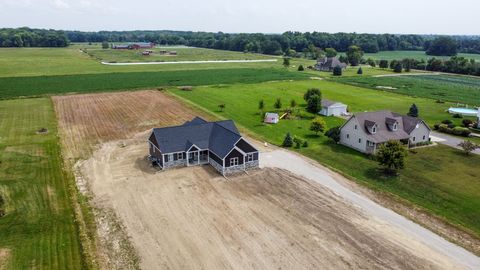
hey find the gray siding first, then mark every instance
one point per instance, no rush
(420, 134)
(233, 154)
(349, 136)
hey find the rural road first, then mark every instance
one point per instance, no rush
(449, 140)
(300, 166)
(189, 62)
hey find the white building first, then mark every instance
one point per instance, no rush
(365, 131)
(271, 118)
(333, 108)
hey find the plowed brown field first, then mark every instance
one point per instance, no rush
(90, 119)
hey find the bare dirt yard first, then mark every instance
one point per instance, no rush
(89, 119)
(192, 218)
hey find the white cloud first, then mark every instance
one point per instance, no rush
(61, 4)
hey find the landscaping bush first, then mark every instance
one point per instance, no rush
(334, 134)
(467, 122)
(337, 71)
(435, 127)
(459, 131)
(305, 143)
(447, 122)
(298, 142)
(457, 115)
(300, 68)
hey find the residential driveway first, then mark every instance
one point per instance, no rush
(449, 140)
(301, 166)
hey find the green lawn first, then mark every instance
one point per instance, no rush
(12, 87)
(39, 229)
(183, 54)
(435, 177)
(397, 55)
(452, 88)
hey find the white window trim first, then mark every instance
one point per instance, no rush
(234, 161)
(250, 157)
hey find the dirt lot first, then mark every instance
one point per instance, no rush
(89, 119)
(192, 218)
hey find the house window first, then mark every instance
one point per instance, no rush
(395, 126)
(359, 140)
(178, 156)
(371, 144)
(234, 161)
(355, 126)
(249, 157)
(374, 129)
(413, 138)
(166, 157)
(348, 136)
(423, 137)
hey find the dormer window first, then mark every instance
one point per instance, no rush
(394, 127)
(374, 129)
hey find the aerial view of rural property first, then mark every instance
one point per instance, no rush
(239, 134)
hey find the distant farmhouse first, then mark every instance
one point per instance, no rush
(333, 108)
(329, 63)
(199, 142)
(365, 131)
(133, 46)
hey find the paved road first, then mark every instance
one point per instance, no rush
(189, 62)
(300, 166)
(449, 140)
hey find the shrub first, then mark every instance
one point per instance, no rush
(468, 146)
(305, 143)
(334, 134)
(337, 71)
(457, 115)
(447, 122)
(288, 141)
(300, 68)
(298, 142)
(435, 127)
(467, 122)
(383, 64)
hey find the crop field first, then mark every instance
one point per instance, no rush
(440, 190)
(38, 230)
(397, 55)
(87, 120)
(452, 88)
(13, 87)
(183, 54)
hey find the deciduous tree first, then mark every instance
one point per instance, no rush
(318, 125)
(391, 156)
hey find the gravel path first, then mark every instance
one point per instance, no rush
(189, 62)
(449, 140)
(300, 166)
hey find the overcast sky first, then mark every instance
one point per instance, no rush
(267, 16)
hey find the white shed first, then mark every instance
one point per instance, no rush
(271, 118)
(333, 108)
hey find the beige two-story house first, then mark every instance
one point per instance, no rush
(365, 131)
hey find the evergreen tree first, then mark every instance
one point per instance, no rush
(383, 64)
(288, 141)
(286, 62)
(334, 134)
(261, 105)
(278, 104)
(337, 71)
(300, 68)
(360, 71)
(413, 111)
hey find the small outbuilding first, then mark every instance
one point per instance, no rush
(333, 108)
(271, 118)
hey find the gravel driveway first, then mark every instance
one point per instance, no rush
(303, 167)
(449, 140)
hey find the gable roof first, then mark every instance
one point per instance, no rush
(328, 103)
(382, 119)
(219, 137)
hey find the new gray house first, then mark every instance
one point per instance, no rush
(328, 63)
(365, 131)
(199, 142)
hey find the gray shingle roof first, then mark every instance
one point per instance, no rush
(383, 132)
(220, 137)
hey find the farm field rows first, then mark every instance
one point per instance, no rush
(435, 176)
(13, 87)
(452, 88)
(183, 54)
(90, 119)
(39, 230)
(21, 62)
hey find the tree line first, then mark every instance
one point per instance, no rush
(26, 37)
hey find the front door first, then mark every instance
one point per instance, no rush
(193, 158)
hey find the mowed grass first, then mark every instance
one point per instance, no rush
(435, 178)
(38, 230)
(183, 54)
(452, 88)
(398, 55)
(20, 62)
(13, 87)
